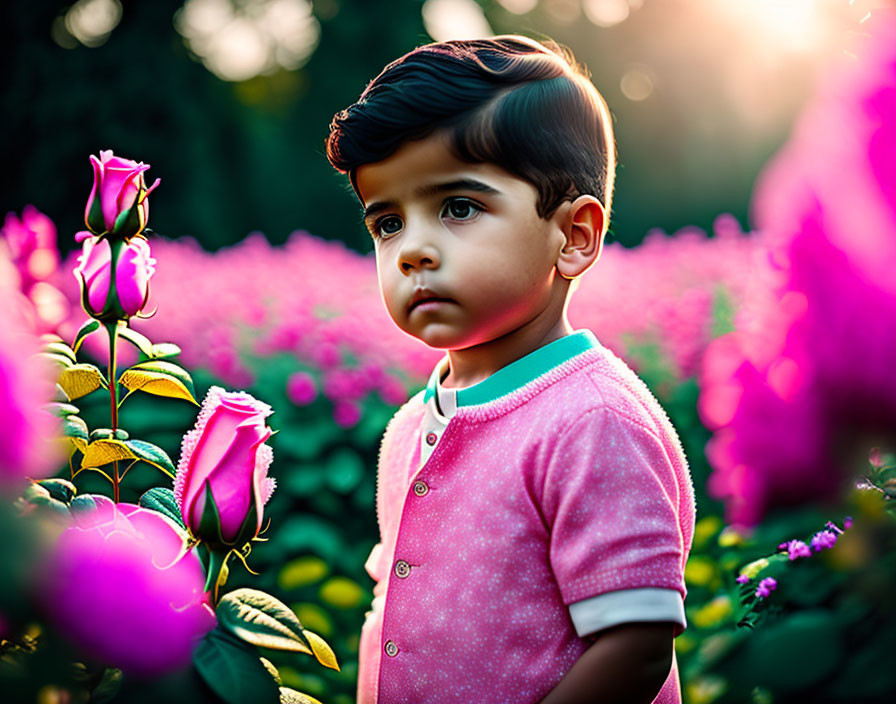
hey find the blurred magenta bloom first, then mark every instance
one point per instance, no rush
(133, 270)
(795, 549)
(226, 455)
(766, 587)
(805, 386)
(31, 245)
(118, 201)
(30, 447)
(122, 585)
(824, 539)
(301, 389)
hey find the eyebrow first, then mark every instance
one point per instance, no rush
(462, 184)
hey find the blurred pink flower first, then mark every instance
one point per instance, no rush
(31, 245)
(801, 390)
(301, 389)
(29, 447)
(133, 270)
(121, 584)
(226, 454)
(118, 202)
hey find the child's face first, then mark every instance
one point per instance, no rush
(462, 256)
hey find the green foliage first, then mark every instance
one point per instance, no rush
(162, 499)
(233, 671)
(262, 620)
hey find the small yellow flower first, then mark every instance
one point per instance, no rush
(731, 537)
(699, 571)
(713, 612)
(705, 529)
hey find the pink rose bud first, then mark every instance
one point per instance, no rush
(118, 202)
(123, 586)
(133, 271)
(222, 481)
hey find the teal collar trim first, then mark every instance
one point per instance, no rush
(519, 373)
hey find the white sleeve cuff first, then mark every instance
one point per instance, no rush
(627, 606)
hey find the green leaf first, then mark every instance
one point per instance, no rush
(61, 360)
(231, 668)
(154, 455)
(91, 326)
(165, 350)
(291, 696)
(60, 348)
(795, 654)
(81, 379)
(108, 687)
(160, 378)
(60, 489)
(162, 499)
(82, 504)
(141, 342)
(75, 429)
(262, 620)
(61, 410)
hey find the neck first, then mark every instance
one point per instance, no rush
(474, 364)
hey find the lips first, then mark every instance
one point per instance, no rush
(422, 296)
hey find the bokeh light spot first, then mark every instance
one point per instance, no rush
(240, 40)
(636, 84)
(90, 21)
(455, 19)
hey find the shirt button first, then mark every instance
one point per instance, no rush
(402, 569)
(431, 438)
(420, 488)
(391, 649)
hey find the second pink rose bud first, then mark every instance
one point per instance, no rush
(133, 270)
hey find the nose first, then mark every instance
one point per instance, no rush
(418, 251)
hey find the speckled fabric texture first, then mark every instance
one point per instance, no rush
(572, 486)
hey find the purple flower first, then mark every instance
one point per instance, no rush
(824, 539)
(795, 549)
(766, 587)
(742, 579)
(847, 523)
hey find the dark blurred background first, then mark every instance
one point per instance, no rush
(230, 100)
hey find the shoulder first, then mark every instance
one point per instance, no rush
(594, 385)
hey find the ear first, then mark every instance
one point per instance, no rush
(585, 226)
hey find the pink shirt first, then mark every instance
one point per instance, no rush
(558, 484)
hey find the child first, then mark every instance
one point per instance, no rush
(534, 504)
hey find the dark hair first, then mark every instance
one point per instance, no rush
(508, 100)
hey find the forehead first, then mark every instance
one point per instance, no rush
(415, 166)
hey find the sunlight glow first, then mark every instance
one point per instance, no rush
(455, 19)
(240, 40)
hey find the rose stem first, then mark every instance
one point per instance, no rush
(112, 329)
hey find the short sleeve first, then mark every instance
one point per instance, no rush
(611, 500)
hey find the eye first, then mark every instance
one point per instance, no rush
(461, 208)
(387, 226)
